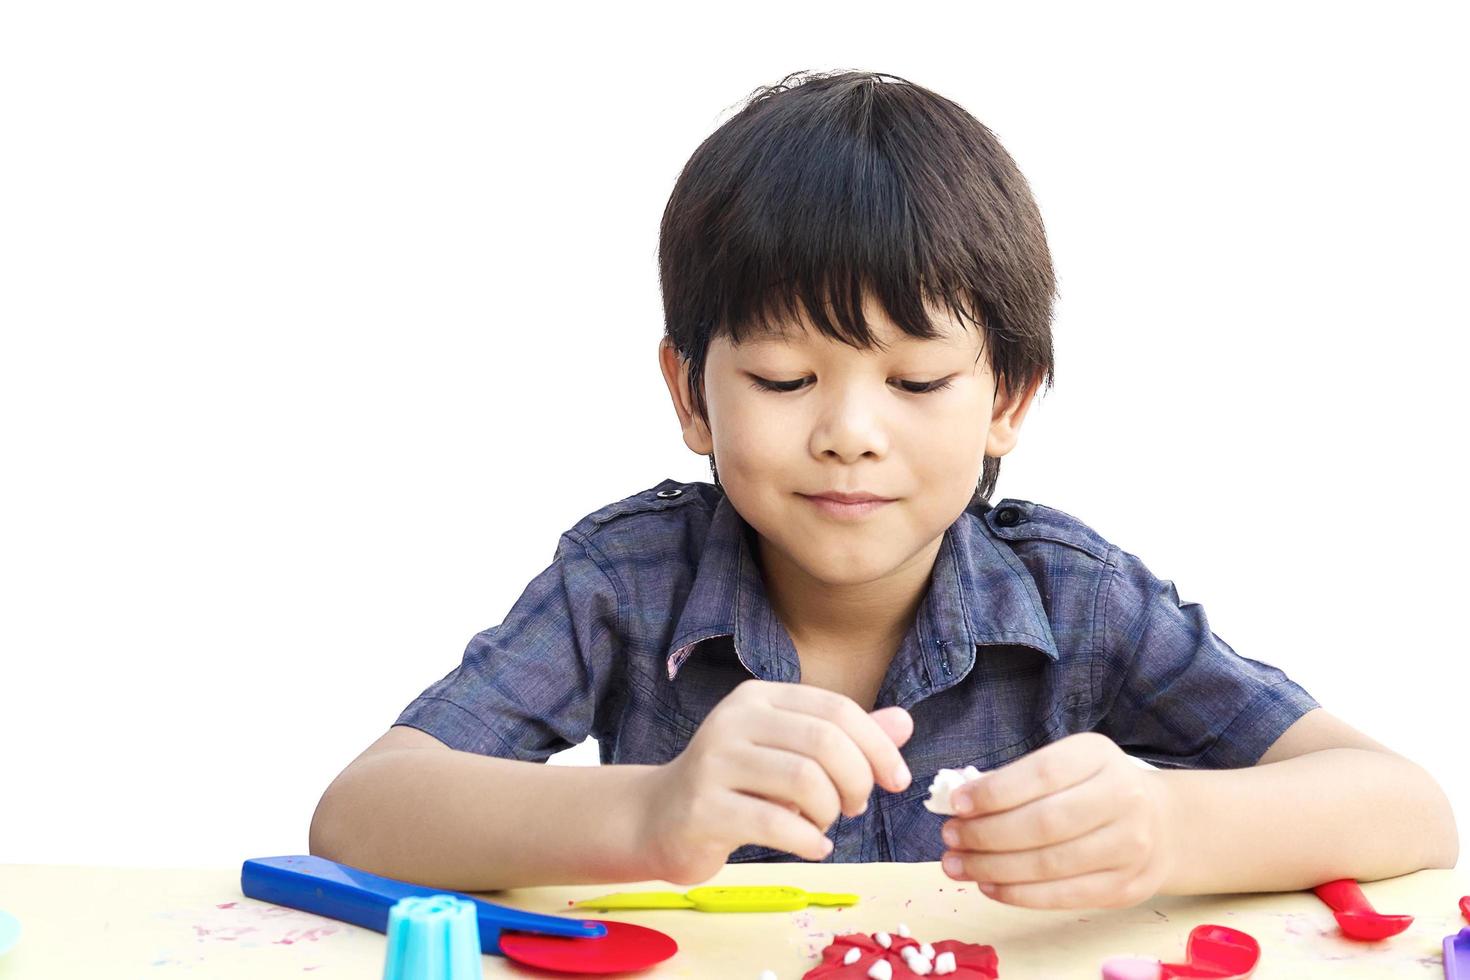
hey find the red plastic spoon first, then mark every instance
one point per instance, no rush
(1355, 915)
(1212, 952)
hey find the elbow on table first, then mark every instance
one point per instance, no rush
(321, 836)
(1449, 856)
(1443, 844)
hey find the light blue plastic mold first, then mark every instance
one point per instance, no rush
(9, 931)
(433, 937)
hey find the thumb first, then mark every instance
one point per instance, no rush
(896, 723)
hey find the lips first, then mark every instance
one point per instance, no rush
(846, 498)
(845, 510)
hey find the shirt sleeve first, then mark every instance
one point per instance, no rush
(1173, 693)
(542, 680)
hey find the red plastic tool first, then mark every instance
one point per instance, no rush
(625, 947)
(1355, 915)
(1213, 952)
(1465, 907)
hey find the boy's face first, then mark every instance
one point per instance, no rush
(856, 421)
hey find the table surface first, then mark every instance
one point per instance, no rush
(97, 922)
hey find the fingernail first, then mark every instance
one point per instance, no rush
(951, 836)
(951, 864)
(901, 776)
(961, 803)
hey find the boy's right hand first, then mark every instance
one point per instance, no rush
(772, 764)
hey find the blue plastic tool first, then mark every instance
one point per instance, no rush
(1457, 955)
(433, 938)
(315, 884)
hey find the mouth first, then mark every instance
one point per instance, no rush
(847, 509)
(841, 497)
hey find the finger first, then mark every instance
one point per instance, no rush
(896, 723)
(788, 778)
(773, 825)
(1097, 890)
(1054, 767)
(1103, 849)
(827, 745)
(883, 758)
(1062, 816)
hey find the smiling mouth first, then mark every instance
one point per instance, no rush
(856, 498)
(846, 511)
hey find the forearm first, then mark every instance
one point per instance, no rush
(1294, 824)
(461, 821)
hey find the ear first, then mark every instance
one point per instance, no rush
(1006, 418)
(676, 376)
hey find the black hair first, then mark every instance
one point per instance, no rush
(829, 187)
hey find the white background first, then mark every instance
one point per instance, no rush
(323, 321)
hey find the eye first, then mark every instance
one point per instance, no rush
(925, 387)
(920, 387)
(765, 385)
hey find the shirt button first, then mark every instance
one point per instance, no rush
(1007, 516)
(668, 493)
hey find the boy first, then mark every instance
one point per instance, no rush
(858, 295)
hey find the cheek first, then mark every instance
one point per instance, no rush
(947, 443)
(751, 437)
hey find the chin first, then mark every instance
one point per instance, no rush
(847, 568)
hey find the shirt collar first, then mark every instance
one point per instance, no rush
(979, 594)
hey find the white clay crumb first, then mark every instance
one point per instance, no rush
(881, 970)
(916, 962)
(768, 975)
(883, 939)
(853, 955)
(944, 963)
(903, 930)
(946, 781)
(926, 951)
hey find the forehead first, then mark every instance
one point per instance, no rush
(952, 336)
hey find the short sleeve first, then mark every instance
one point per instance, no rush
(1173, 693)
(541, 681)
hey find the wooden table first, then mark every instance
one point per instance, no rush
(97, 922)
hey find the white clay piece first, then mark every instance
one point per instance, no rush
(946, 781)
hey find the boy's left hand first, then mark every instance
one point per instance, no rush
(1075, 824)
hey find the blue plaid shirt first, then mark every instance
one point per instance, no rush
(653, 609)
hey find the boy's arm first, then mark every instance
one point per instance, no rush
(412, 808)
(1324, 802)
(1077, 824)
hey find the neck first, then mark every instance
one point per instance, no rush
(865, 616)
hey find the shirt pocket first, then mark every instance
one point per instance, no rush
(651, 732)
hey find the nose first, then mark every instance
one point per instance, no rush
(849, 426)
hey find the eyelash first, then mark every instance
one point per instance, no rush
(764, 385)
